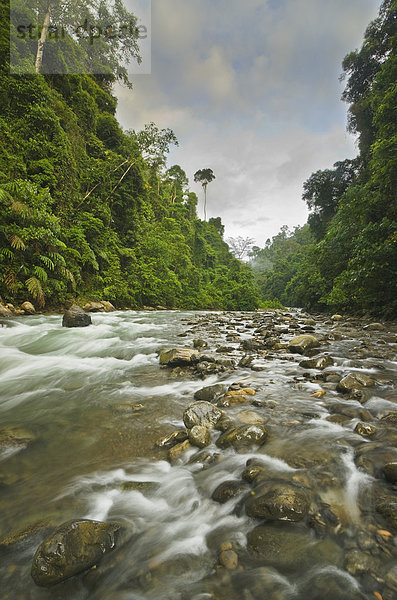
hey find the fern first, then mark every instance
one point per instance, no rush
(48, 262)
(7, 252)
(16, 242)
(10, 281)
(40, 273)
(34, 288)
(69, 275)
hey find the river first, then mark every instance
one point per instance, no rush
(81, 414)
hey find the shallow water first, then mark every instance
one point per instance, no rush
(85, 406)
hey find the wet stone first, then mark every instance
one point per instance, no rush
(390, 471)
(282, 503)
(357, 561)
(211, 393)
(76, 317)
(72, 548)
(302, 343)
(353, 381)
(365, 429)
(228, 490)
(319, 362)
(201, 413)
(174, 438)
(229, 559)
(177, 357)
(289, 549)
(199, 436)
(176, 451)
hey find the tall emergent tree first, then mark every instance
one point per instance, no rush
(204, 176)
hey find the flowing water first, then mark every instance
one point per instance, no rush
(81, 410)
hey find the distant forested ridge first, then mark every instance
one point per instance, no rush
(89, 211)
(345, 258)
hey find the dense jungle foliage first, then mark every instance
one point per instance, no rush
(345, 258)
(89, 211)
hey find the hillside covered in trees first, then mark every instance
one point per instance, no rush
(345, 258)
(90, 211)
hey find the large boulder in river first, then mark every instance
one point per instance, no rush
(28, 308)
(72, 548)
(203, 414)
(282, 503)
(243, 437)
(302, 343)
(178, 357)
(76, 317)
(108, 306)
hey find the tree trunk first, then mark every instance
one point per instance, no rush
(205, 202)
(41, 42)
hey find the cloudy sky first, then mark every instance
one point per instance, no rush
(251, 90)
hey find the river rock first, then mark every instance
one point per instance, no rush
(365, 429)
(199, 436)
(228, 559)
(282, 503)
(387, 507)
(319, 362)
(243, 437)
(227, 490)
(72, 548)
(202, 413)
(375, 327)
(211, 393)
(390, 471)
(177, 357)
(302, 343)
(108, 306)
(76, 317)
(357, 561)
(176, 451)
(172, 439)
(286, 548)
(337, 317)
(354, 381)
(94, 307)
(5, 311)
(28, 308)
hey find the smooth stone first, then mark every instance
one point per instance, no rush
(319, 362)
(202, 413)
(365, 429)
(108, 306)
(337, 317)
(172, 439)
(76, 317)
(357, 561)
(243, 436)
(72, 548)
(375, 327)
(176, 451)
(198, 343)
(94, 307)
(250, 417)
(199, 436)
(390, 471)
(286, 548)
(228, 559)
(302, 343)
(282, 503)
(228, 490)
(387, 507)
(211, 392)
(28, 308)
(177, 357)
(353, 381)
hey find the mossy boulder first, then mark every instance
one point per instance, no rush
(72, 548)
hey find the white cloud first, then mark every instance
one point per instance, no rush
(251, 90)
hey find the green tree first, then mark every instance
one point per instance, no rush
(204, 176)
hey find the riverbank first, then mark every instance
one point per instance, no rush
(284, 490)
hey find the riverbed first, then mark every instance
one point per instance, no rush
(84, 413)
